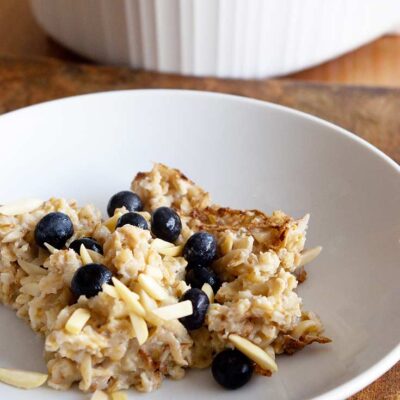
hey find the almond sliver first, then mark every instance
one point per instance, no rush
(99, 395)
(85, 257)
(22, 379)
(111, 223)
(309, 255)
(129, 298)
(77, 321)
(50, 248)
(149, 304)
(110, 290)
(208, 290)
(139, 327)
(174, 311)
(150, 285)
(255, 353)
(119, 396)
(31, 269)
(159, 244)
(95, 256)
(20, 207)
(171, 251)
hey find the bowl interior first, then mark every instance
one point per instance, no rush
(248, 154)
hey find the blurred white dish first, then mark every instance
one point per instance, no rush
(225, 38)
(249, 154)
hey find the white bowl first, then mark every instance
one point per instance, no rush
(225, 38)
(248, 154)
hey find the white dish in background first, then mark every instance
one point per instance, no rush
(225, 38)
(248, 154)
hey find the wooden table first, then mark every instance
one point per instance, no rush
(372, 113)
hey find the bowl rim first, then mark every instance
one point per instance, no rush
(372, 373)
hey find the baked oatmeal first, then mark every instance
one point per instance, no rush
(168, 282)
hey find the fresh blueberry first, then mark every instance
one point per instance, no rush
(89, 279)
(232, 369)
(200, 304)
(55, 229)
(197, 275)
(132, 218)
(88, 242)
(166, 224)
(131, 201)
(201, 248)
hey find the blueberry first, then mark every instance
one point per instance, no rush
(232, 369)
(201, 248)
(166, 224)
(200, 304)
(89, 279)
(134, 219)
(197, 276)
(88, 242)
(131, 201)
(55, 229)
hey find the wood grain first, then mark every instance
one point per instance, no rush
(377, 63)
(372, 113)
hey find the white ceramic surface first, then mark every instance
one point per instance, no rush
(226, 38)
(247, 154)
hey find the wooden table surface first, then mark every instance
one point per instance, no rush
(372, 113)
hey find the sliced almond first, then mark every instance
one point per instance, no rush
(166, 248)
(99, 395)
(50, 248)
(152, 319)
(95, 256)
(119, 396)
(208, 290)
(309, 255)
(303, 328)
(227, 243)
(111, 223)
(182, 287)
(31, 269)
(139, 327)
(151, 286)
(85, 257)
(22, 379)
(159, 244)
(12, 235)
(110, 290)
(31, 288)
(171, 251)
(149, 304)
(174, 311)
(255, 353)
(129, 298)
(77, 321)
(20, 207)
